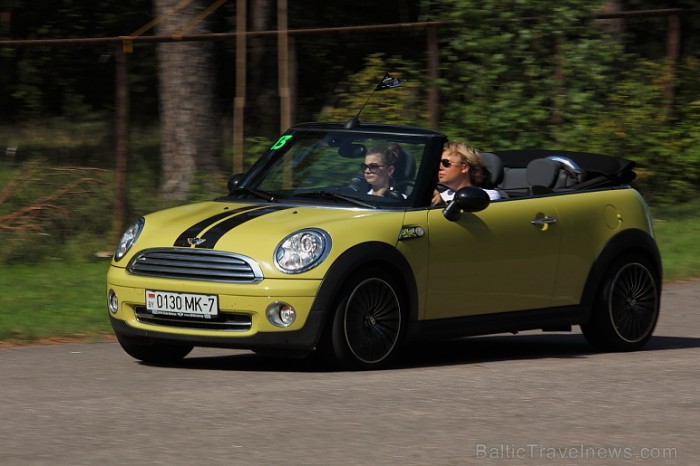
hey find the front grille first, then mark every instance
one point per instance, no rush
(224, 321)
(195, 264)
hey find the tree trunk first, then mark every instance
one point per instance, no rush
(189, 126)
(263, 117)
(615, 26)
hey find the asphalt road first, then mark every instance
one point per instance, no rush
(528, 399)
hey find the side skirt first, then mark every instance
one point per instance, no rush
(551, 319)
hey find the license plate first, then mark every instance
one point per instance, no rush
(204, 306)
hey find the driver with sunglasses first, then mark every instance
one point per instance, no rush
(378, 170)
(461, 166)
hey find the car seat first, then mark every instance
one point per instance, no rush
(552, 173)
(405, 172)
(493, 172)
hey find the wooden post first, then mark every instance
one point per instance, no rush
(283, 78)
(121, 136)
(433, 74)
(239, 100)
(283, 65)
(672, 53)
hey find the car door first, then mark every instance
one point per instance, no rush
(503, 258)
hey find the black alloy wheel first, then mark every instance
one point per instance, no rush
(627, 308)
(368, 323)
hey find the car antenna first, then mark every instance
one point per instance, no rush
(387, 82)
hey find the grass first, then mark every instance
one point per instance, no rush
(64, 299)
(677, 231)
(53, 300)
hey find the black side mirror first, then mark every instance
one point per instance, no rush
(469, 199)
(234, 181)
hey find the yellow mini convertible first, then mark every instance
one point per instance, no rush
(299, 257)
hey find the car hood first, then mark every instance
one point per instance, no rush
(255, 230)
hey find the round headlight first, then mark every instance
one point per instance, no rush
(128, 238)
(302, 251)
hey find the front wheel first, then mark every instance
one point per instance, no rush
(626, 308)
(153, 352)
(368, 322)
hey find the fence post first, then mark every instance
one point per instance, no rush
(121, 137)
(433, 74)
(239, 100)
(672, 53)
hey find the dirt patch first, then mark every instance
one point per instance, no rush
(60, 340)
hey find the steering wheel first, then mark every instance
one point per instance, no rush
(402, 185)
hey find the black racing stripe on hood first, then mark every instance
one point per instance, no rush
(196, 229)
(217, 231)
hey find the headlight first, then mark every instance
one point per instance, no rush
(128, 238)
(302, 251)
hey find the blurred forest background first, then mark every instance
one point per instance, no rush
(115, 108)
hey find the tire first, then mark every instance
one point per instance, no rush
(369, 321)
(626, 307)
(153, 352)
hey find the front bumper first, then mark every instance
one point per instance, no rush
(304, 339)
(246, 301)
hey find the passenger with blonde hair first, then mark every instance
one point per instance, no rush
(460, 166)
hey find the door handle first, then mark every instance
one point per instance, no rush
(544, 221)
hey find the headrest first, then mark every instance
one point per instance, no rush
(543, 172)
(405, 167)
(493, 170)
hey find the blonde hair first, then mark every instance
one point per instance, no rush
(470, 156)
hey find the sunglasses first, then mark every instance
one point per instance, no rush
(372, 167)
(446, 163)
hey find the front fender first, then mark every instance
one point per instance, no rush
(357, 258)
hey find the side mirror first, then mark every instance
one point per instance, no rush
(235, 181)
(469, 199)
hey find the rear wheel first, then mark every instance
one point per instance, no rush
(153, 352)
(626, 308)
(368, 322)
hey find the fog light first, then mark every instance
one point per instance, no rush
(281, 314)
(112, 302)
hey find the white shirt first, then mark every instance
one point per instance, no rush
(449, 194)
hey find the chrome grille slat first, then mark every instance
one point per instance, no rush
(228, 321)
(195, 264)
(199, 265)
(168, 270)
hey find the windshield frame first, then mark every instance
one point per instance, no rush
(423, 185)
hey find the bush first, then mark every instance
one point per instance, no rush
(44, 209)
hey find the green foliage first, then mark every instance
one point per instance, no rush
(639, 125)
(514, 71)
(401, 105)
(522, 74)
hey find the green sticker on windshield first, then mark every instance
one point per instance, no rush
(281, 142)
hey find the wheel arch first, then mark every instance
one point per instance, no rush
(627, 241)
(374, 254)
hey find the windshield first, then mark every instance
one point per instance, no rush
(364, 169)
